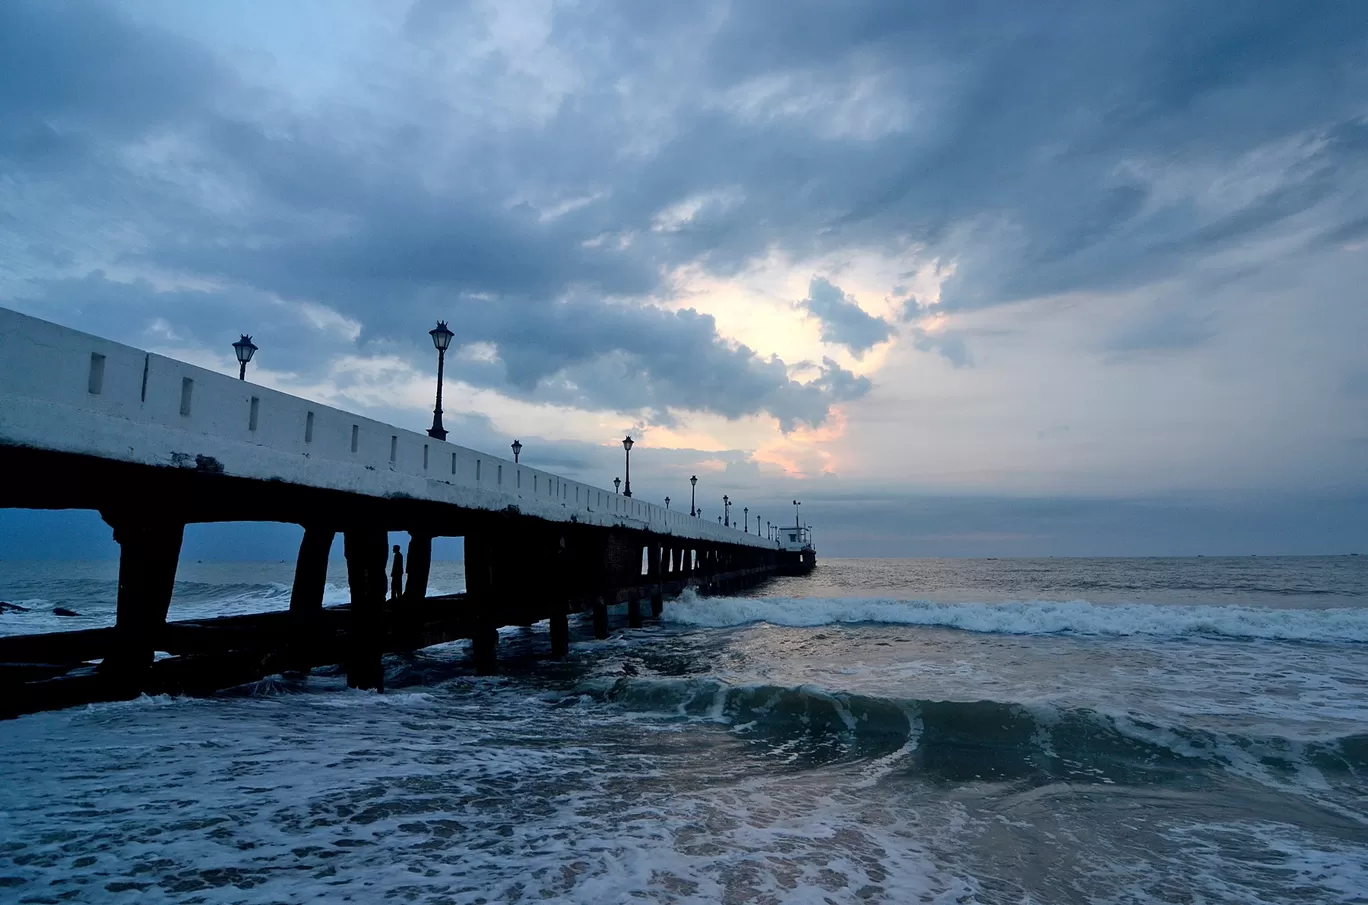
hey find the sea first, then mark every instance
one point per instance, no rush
(905, 731)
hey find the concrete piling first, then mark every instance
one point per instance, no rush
(487, 582)
(306, 595)
(418, 564)
(149, 551)
(560, 632)
(600, 619)
(367, 552)
(484, 649)
(657, 580)
(311, 570)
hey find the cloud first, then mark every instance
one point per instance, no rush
(1163, 331)
(538, 178)
(949, 344)
(843, 322)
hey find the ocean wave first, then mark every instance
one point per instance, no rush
(1035, 617)
(963, 740)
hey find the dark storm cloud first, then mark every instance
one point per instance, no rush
(843, 322)
(1028, 143)
(80, 66)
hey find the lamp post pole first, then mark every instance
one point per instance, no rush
(745, 518)
(693, 487)
(627, 449)
(244, 349)
(441, 338)
(726, 511)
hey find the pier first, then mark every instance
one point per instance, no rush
(154, 444)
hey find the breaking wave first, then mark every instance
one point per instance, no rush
(1036, 617)
(961, 740)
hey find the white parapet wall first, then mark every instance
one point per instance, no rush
(67, 391)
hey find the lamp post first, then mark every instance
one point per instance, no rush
(726, 511)
(693, 487)
(745, 518)
(617, 485)
(667, 502)
(245, 349)
(627, 450)
(517, 448)
(441, 338)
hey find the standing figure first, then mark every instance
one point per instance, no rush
(397, 575)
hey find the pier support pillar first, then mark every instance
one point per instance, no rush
(560, 632)
(418, 565)
(409, 610)
(484, 649)
(657, 581)
(306, 595)
(311, 570)
(634, 612)
(600, 619)
(149, 551)
(489, 579)
(367, 551)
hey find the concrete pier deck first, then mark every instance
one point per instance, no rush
(154, 444)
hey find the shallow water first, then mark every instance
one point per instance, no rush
(900, 731)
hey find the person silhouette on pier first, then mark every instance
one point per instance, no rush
(397, 575)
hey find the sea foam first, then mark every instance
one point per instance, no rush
(1034, 617)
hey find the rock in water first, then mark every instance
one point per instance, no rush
(63, 611)
(12, 608)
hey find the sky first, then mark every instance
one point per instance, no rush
(967, 278)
